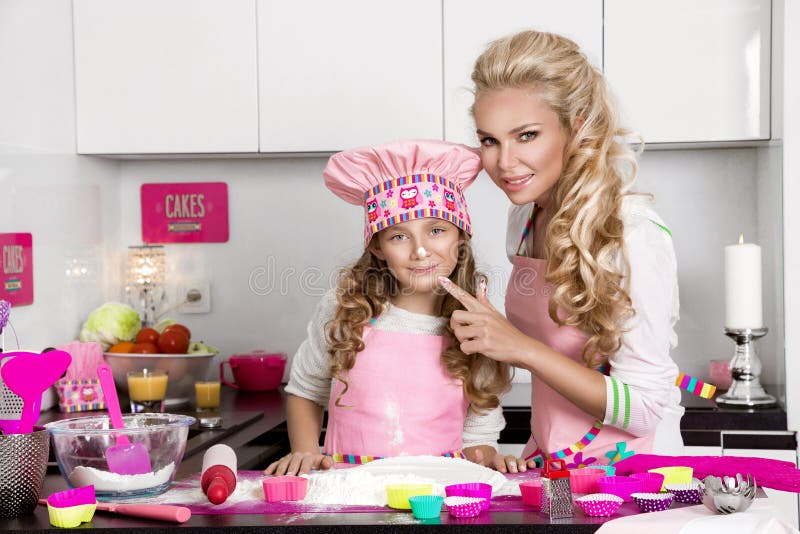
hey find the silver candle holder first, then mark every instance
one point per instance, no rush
(746, 390)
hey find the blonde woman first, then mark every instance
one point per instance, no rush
(593, 295)
(380, 354)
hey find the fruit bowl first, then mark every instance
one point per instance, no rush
(183, 370)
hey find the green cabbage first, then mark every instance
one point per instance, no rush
(111, 323)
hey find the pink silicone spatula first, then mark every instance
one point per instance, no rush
(28, 375)
(124, 458)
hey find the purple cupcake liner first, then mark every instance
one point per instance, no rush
(652, 502)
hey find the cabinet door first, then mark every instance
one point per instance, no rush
(690, 71)
(470, 25)
(165, 77)
(695, 450)
(785, 501)
(335, 75)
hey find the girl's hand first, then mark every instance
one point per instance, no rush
(297, 463)
(488, 457)
(481, 328)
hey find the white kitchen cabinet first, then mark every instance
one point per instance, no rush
(335, 75)
(165, 77)
(469, 25)
(697, 450)
(688, 71)
(785, 501)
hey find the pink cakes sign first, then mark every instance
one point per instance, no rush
(185, 213)
(16, 275)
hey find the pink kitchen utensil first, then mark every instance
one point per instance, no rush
(284, 488)
(531, 492)
(620, 486)
(68, 509)
(124, 458)
(584, 480)
(256, 371)
(599, 504)
(464, 506)
(28, 375)
(471, 489)
(651, 482)
(162, 512)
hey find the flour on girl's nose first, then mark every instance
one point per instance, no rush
(393, 426)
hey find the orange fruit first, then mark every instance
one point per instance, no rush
(122, 347)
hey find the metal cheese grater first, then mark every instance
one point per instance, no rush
(556, 490)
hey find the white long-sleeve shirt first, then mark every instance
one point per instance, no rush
(311, 379)
(642, 366)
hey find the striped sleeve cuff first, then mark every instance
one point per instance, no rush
(618, 403)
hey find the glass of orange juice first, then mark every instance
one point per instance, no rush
(207, 395)
(147, 389)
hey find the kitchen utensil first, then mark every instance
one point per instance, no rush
(162, 512)
(620, 486)
(728, 495)
(68, 509)
(584, 480)
(28, 375)
(599, 504)
(464, 506)
(531, 492)
(397, 494)
(687, 493)
(470, 489)
(426, 506)
(284, 488)
(23, 463)
(257, 371)
(651, 482)
(556, 490)
(674, 474)
(652, 502)
(10, 404)
(124, 458)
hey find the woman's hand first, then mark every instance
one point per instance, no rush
(488, 457)
(298, 463)
(481, 328)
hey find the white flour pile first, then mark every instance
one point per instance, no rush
(105, 481)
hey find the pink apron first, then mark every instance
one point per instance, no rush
(559, 429)
(401, 401)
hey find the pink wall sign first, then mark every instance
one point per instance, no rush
(185, 213)
(16, 275)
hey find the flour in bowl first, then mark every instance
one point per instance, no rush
(106, 481)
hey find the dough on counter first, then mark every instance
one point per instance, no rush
(365, 484)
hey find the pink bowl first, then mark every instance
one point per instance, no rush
(585, 480)
(599, 504)
(464, 506)
(532, 492)
(651, 482)
(620, 486)
(652, 502)
(284, 488)
(472, 489)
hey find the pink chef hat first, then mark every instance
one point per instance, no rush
(405, 180)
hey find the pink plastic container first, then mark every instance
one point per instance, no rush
(531, 492)
(651, 482)
(585, 480)
(284, 488)
(257, 371)
(464, 506)
(472, 489)
(599, 504)
(620, 486)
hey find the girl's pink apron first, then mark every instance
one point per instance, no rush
(559, 429)
(400, 401)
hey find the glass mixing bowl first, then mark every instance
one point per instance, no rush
(80, 448)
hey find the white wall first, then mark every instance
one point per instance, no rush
(67, 202)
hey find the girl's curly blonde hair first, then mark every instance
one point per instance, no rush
(362, 292)
(584, 238)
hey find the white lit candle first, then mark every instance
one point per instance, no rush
(743, 285)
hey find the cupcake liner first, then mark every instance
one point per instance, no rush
(70, 516)
(674, 475)
(651, 482)
(531, 492)
(426, 506)
(585, 480)
(686, 493)
(72, 497)
(599, 504)
(652, 502)
(284, 488)
(473, 489)
(464, 506)
(620, 486)
(397, 494)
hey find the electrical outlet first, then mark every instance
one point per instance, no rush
(198, 295)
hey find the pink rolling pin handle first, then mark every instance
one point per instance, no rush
(163, 512)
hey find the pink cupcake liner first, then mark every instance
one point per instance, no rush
(531, 492)
(585, 480)
(651, 482)
(464, 506)
(472, 489)
(620, 486)
(284, 488)
(599, 504)
(652, 502)
(686, 493)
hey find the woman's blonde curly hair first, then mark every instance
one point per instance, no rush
(362, 292)
(584, 238)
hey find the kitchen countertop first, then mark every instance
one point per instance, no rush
(254, 425)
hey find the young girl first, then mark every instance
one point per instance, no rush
(593, 296)
(379, 353)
